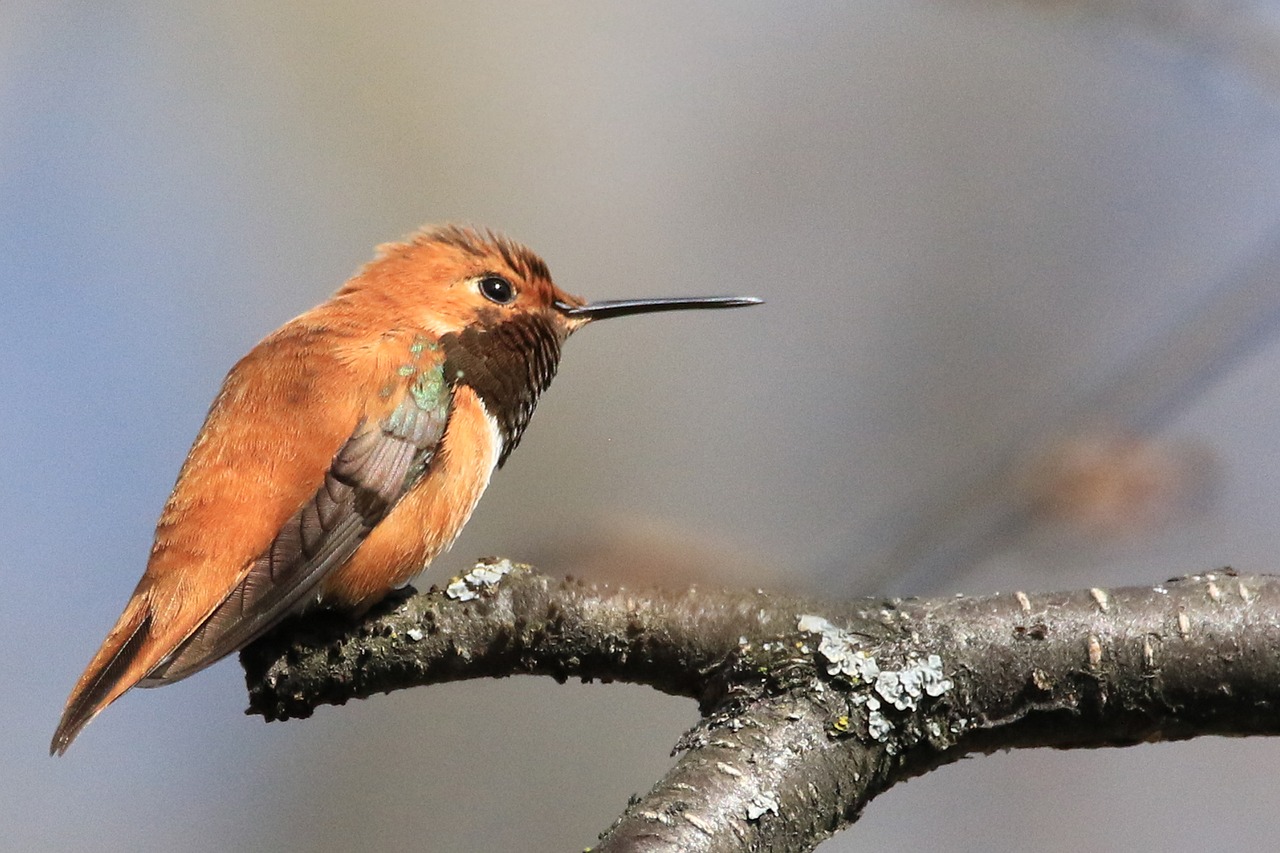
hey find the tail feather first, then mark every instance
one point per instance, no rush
(114, 669)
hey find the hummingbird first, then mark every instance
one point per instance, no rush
(346, 451)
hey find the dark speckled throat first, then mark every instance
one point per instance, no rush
(508, 365)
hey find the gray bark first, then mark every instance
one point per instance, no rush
(810, 708)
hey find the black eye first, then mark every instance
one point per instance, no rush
(497, 289)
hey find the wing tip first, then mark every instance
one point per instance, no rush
(66, 732)
(112, 671)
(81, 708)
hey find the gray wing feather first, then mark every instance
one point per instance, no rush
(372, 471)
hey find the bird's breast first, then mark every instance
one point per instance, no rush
(431, 515)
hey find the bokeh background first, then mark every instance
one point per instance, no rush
(1019, 334)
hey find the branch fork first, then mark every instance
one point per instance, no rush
(810, 709)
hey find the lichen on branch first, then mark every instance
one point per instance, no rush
(810, 708)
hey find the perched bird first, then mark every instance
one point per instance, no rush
(345, 451)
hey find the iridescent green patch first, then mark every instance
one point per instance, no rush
(429, 389)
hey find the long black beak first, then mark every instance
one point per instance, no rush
(622, 307)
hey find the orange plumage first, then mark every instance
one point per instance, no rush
(344, 452)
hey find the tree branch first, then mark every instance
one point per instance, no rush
(811, 708)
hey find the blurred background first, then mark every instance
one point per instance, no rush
(1020, 334)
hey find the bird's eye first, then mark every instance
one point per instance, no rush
(497, 289)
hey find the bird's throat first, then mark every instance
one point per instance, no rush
(508, 365)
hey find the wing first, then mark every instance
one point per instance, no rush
(242, 515)
(379, 463)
